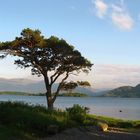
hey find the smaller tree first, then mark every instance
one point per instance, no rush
(69, 86)
(83, 83)
(3, 54)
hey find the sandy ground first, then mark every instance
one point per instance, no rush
(93, 134)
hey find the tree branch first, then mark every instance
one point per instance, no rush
(59, 87)
(55, 76)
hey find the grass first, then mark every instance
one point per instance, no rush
(112, 122)
(28, 120)
(23, 121)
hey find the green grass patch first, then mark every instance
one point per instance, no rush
(112, 122)
(23, 121)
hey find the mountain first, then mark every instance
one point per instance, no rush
(21, 85)
(125, 91)
(31, 86)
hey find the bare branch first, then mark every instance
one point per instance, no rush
(59, 87)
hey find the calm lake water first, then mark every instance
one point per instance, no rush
(98, 105)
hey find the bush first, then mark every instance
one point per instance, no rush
(77, 113)
(32, 119)
(124, 124)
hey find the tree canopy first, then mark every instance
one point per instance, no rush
(69, 86)
(51, 57)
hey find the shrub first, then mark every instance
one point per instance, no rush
(77, 113)
(32, 119)
(125, 124)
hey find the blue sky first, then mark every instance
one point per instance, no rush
(105, 31)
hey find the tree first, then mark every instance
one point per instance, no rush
(3, 49)
(83, 83)
(52, 58)
(69, 86)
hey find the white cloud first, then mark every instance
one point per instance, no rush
(101, 8)
(113, 76)
(117, 8)
(121, 18)
(109, 76)
(117, 13)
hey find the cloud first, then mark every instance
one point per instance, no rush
(101, 8)
(117, 13)
(121, 18)
(109, 76)
(112, 76)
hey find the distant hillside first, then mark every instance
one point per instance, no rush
(30, 86)
(125, 91)
(14, 93)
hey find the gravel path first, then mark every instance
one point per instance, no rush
(92, 134)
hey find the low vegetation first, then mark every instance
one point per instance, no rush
(124, 92)
(14, 93)
(112, 122)
(23, 121)
(73, 95)
(42, 94)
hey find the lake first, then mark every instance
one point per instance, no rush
(104, 106)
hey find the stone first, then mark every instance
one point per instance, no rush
(102, 126)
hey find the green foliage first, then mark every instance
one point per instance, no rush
(32, 122)
(77, 113)
(69, 86)
(73, 95)
(31, 119)
(21, 121)
(125, 91)
(15, 93)
(21, 93)
(50, 57)
(114, 122)
(83, 83)
(43, 55)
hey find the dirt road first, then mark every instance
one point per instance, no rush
(92, 134)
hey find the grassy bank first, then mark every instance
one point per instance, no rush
(15, 93)
(119, 123)
(21, 121)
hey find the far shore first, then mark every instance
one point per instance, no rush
(43, 94)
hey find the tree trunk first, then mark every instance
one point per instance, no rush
(50, 104)
(49, 101)
(48, 94)
(49, 98)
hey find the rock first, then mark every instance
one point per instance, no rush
(102, 126)
(52, 129)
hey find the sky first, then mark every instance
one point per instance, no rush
(105, 31)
